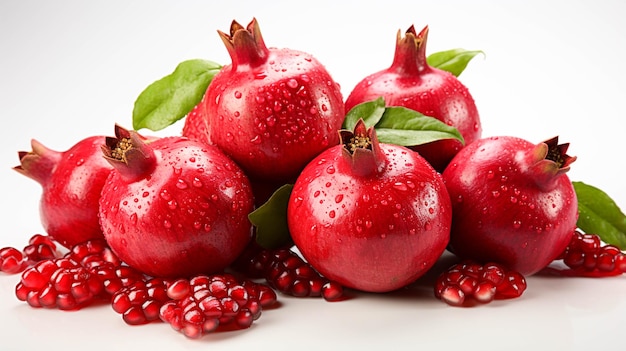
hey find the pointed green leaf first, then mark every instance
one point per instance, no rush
(599, 214)
(370, 111)
(270, 220)
(454, 61)
(406, 127)
(170, 98)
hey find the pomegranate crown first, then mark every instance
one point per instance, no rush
(361, 148)
(410, 54)
(551, 160)
(128, 153)
(245, 45)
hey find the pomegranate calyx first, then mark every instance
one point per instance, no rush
(129, 153)
(38, 164)
(410, 54)
(551, 161)
(361, 149)
(245, 45)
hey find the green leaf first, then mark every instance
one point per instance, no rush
(406, 127)
(454, 61)
(270, 220)
(599, 214)
(370, 111)
(170, 98)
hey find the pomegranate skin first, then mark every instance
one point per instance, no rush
(182, 212)
(412, 83)
(271, 110)
(374, 233)
(71, 184)
(510, 203)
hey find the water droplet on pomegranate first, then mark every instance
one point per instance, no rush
(328, 184)
(490, 175)
(167, 224)
(207, 227)
(270, 121)
(428, 226)
(181, 184)
(365, 197)
(495, 193)
(292, 83)
(324, 107)
(513, 199)
(331, 214)
(431, 210)
(256, 140)
(172, 204)
(338, 198)
(517, 224)
(145, 194)
(400, 186)
(133, 218)
(313, 110)
(237, 113)
(229, 137)
(316, 193)
(384, 235)
(330, 169)
(260, 75)
(238, 94)
(165, 195)
(80, 162)
(197, 183)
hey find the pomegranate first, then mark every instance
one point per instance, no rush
(271, 110)
(173, 206)
(412, 83)
(368, 215)
(512, 202)
(71, 182)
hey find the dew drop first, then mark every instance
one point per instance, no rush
(207, 227)
(238, 94)
(339, 198)
(197, 225)
(181, 184)
(292, 83)
(513, 199)
(316, 193)
(365, 197)
(145, 194)
(80, 162)
(256, 140)
(330, 169)
(328, 184)
(517, 224)
(133, 218)
(490, 175)
(229, 137)
(165, 195)
(400, 186)
(495, 193)
(167, 224)
(172, 204)
(197, 183)
(431, 210)
(192, 159)
(428, 226)
(368, 224)
(331, 214)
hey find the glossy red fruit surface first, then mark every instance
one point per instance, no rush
(71, 183)
(368, 215)
(271, 110)
(174, 207)
(512, 202)
(412, 83)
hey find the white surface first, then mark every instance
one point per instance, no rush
(69, 69)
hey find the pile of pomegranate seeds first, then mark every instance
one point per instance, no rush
(587, 256)
(288, 273)
(467, 283)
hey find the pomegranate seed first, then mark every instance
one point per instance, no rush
(60, 283)
(287, 272)
(468, 282)
(586, 256)
(140, 302)
(203, 303)
(12, 260)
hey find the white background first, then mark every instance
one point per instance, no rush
(69, 69)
